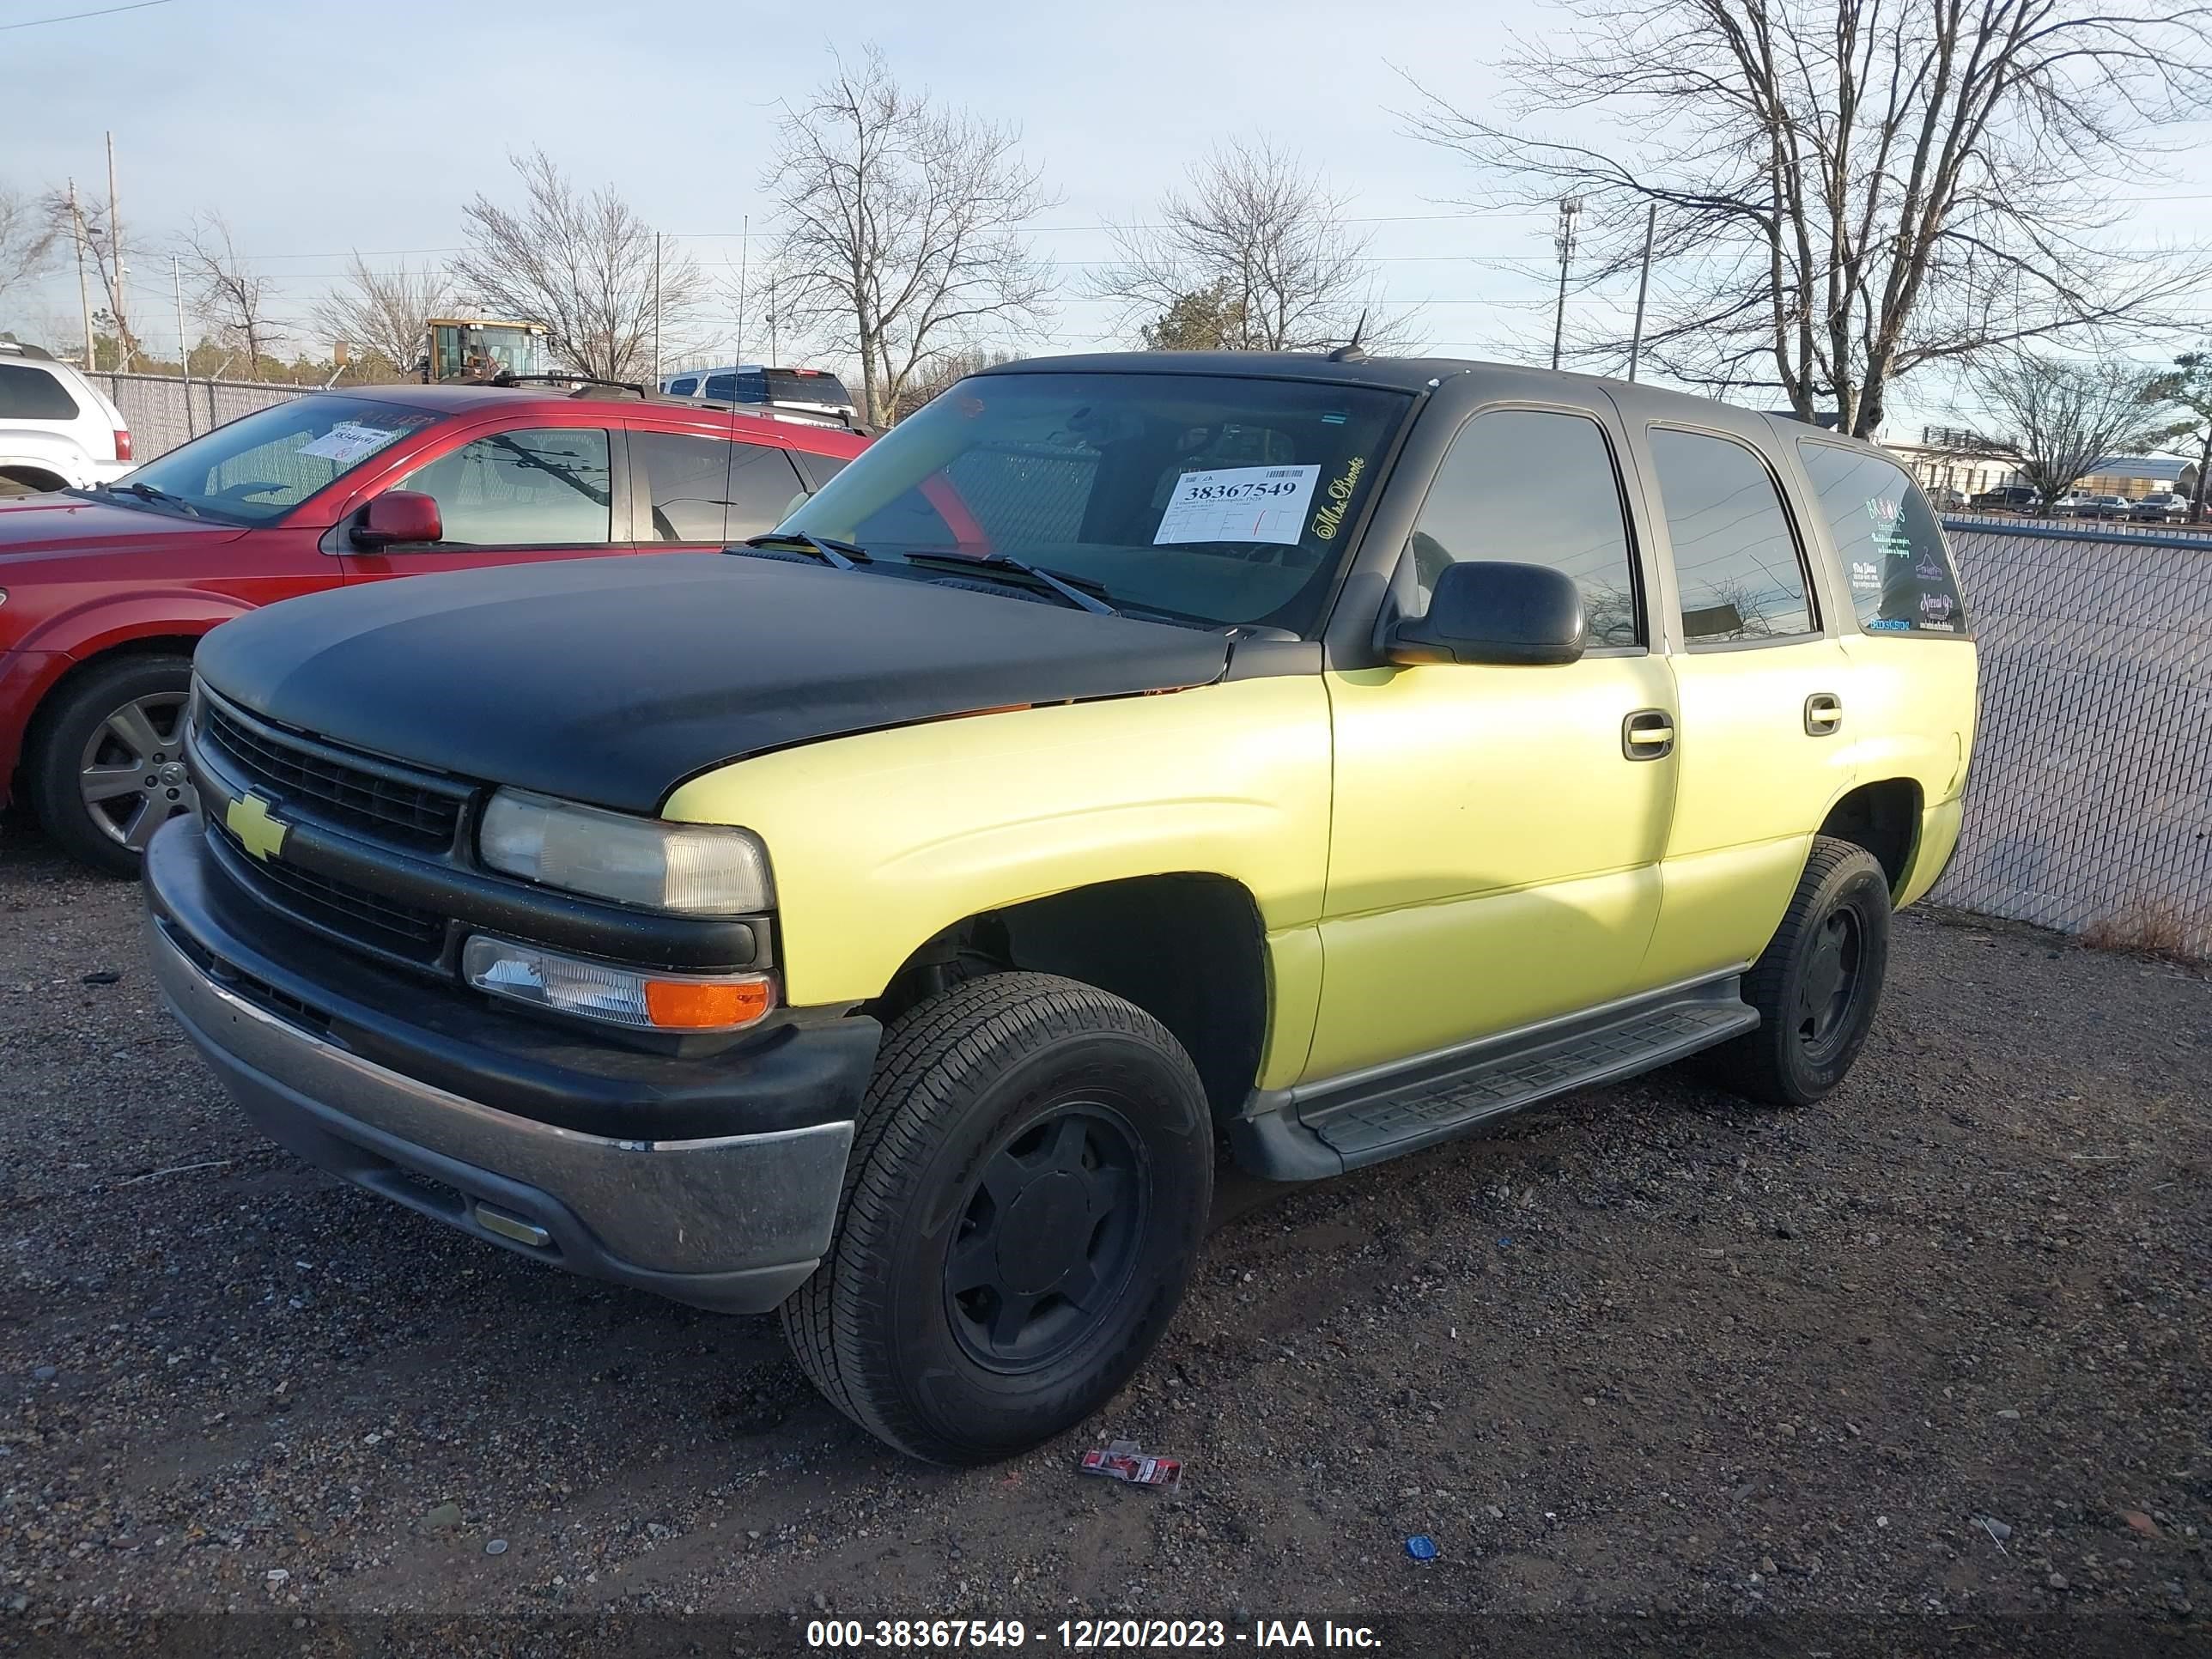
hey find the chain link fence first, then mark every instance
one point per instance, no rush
(2090, 799)
(163, 411)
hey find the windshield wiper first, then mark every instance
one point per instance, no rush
(148, 493)
(845, 555)
(1068, 588)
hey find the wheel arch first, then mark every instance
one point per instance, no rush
(1188, 948)
(142, 645)
(32, 476)
(1884, 817)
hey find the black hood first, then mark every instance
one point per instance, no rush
(613, 680)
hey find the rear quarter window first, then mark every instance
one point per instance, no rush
(31, 394)
(1894, 560)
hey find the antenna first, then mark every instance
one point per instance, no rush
(1351, 350)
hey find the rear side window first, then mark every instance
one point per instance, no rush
(1736, 564)
(1892, 551)
(722, 388)
(31, 394)
(684, 387)
(793, 386)
(708, 489)
(1535, 488)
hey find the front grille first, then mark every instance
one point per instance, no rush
(353, 914)
(321, 780)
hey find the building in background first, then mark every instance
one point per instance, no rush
(1953, 463)
(2133, 475)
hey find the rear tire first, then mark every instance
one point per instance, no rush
(118, 726)
(1026, 1195)
(1818, 983)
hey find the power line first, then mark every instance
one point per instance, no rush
(76, 16)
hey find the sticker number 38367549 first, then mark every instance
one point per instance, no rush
(1238, 504)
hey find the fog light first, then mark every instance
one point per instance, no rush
(648, 999)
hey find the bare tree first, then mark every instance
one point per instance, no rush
(901, 227)
(229, 294)
(2066, 416)
(1254, 255)
(28, 239)
(90, 219)
(385, 313)
(581, 264)
(1847, 190)
(942, 372)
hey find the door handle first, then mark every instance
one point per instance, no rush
(1824, 714)
(1648, 735)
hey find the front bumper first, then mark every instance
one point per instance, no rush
(732, 1222)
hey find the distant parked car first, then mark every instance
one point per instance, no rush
(2010, 498)
(108, 589)
(754, 383)
(2161, 507)
(57, 430)
(2102, 506)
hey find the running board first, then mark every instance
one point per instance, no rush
(1313, 1132)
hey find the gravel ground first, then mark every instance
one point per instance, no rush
(1655, 1370)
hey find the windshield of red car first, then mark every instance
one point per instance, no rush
(1208, 498)
(264, 464)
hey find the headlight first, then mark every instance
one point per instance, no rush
(695, 868)
(650, 999)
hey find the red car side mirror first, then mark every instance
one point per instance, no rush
(399, 516)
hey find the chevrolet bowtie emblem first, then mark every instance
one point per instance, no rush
(258, 831)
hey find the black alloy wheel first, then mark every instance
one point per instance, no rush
(1818, 983)
(1048, 1237)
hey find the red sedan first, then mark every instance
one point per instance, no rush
(104, 592)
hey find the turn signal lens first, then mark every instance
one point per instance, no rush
(620, 996)
(690, 1004)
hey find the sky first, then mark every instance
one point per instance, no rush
(317, 128)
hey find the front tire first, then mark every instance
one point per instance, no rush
(1818, 983)
(1026, 1196)
(106, 770)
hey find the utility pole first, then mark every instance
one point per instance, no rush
(1564, 239)
(84, 293)
(744, 261)
(115, 248)
(771, 322)
(184, 347)
(1643, 288)
(656, 311)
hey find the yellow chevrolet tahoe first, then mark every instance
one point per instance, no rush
(1129, 762)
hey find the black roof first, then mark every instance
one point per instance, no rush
(1399, 374)
(1420, 374)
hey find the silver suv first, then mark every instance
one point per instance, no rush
(57, 430)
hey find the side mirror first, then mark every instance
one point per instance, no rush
(1483, 612)
(399, 516)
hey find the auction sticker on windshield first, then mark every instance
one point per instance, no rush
(348, 441)
(1238, 504)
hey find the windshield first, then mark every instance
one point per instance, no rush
(1204, 499)
(264, 464)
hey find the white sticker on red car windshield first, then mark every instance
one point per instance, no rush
(1238, 504)
(348, 441)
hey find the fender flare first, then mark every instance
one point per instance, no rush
(100, 625)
